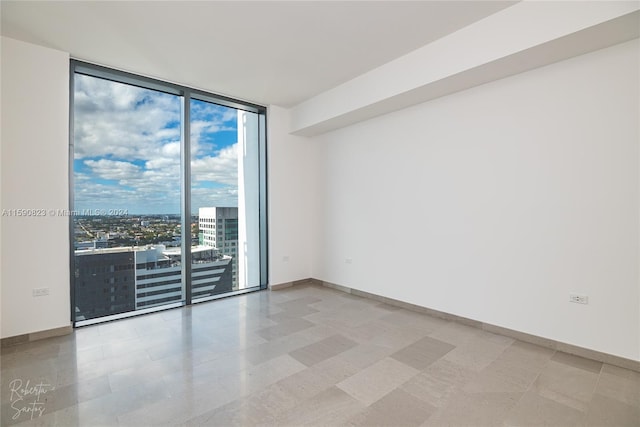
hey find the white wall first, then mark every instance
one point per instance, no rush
(35, 147)
(292, 174)
(497, 202)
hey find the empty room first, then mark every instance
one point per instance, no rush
(330, 213)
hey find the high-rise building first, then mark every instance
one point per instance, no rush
(219, 229)
(118, 280)
(104, 282)
(159, 274)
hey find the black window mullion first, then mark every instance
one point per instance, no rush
(185, 164)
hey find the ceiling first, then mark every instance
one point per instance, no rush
(266, 52)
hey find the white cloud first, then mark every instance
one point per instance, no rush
(222, 168)
(113, 169)
(171, 149)
(131, 136)
(204, 197)
(121, 120)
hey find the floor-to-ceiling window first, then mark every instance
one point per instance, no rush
(168, 201)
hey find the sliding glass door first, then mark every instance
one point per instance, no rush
(151, 230)
(225, 194)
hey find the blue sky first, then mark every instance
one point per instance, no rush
(127, 150)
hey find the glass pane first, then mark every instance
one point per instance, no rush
(224, 199)
(126, 198)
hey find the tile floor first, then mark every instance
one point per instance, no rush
(305, 356)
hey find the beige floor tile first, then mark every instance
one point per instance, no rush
(73, 416)
(172, 411)
(278, 368)
(438, 382)
(298, 302)
(316, 333)
(504, 375)
(263, 352)
(328, 304)
(397, 408)
(531, 354)
(495, 338)
(620, 384)
(105, 409)
(70, 395)
(118, 360)
(254, 378)
(284, 328)
(241, 412)
(570, 386)
(409, 319)
(383, 334)
(476, 353)
(474, 409)
(422, 353)
(455, 333)
(605, 411)
(292, 312)
(335, 369)
(577, 362)
(317, 352)
(220, 367)
(289, 392)
(621, 372)
(277, 401)
(535, 410)
(364, 355)
(347, 315)
(125, 378)
(377, 380)
(332, 407)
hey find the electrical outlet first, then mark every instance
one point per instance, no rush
(348, 260)
(579, 299)
(40, 292)
(285, 258)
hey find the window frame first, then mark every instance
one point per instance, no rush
(185, 93)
